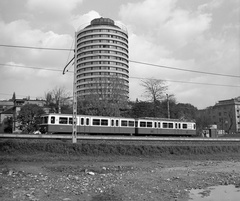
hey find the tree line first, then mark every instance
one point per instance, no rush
(105, 102)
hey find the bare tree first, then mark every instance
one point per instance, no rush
(107, 96)
(155, 90)
(57, 98)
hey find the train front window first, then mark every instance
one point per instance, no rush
(52, 120)
(63, 120)
(45, 120)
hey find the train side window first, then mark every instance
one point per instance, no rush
(176, 125)
(131, 123)
(165, 125)
(123, 123)
(142, 124)
(194, 126)
(104, 122)
(155, 124)
(87, 121)
(52, 120)
(184, 126)
(70, 120)
(170, 125)
(112, 122)
(149, 124)
(96, 122)
(82, 121)
(159, 125)
(63, 120)
(179, 125)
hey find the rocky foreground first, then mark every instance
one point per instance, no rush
(115, 178)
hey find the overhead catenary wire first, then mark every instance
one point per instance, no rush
(37, 48)
(192, 71)
(167, 80)
(139, 62)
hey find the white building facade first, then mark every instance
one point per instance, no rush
(102, 59)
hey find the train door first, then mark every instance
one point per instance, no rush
(155, 126)
(158, 127)
(178, 128)
(81, 127)
(114, 124)
(87, 125)
(136, 127)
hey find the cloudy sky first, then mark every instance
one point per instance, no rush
(193, 44)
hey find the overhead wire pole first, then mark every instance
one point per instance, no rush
(74, 130)
(168, 109)
(74, 123)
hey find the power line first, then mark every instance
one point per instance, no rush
(185, 82)
(178, 81)
(139, 62)
(38, 48)
(193, 71)
(32, 67)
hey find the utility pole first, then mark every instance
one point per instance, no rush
(168, 110)
(74, 130)
(74, 122)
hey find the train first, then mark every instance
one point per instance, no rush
(103, 125)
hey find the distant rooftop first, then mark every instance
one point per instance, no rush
(102, 21)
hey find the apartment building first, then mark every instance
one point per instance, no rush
(101, 57)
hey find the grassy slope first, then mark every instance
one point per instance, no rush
(108, 148)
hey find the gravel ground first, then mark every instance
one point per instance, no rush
(50, 178)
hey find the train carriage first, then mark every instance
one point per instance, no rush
(165, 127)
(100, 125)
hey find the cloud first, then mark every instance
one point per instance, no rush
(21, 33)
(53, 8)
(20, 73)
(197, 38)
(164, 23)
(81, 21)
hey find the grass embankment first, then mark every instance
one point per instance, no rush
(108, 148)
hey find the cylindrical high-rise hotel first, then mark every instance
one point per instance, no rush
(102, 59)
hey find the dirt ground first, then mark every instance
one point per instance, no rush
(113, 178)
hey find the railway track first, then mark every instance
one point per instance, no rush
(118, 138)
